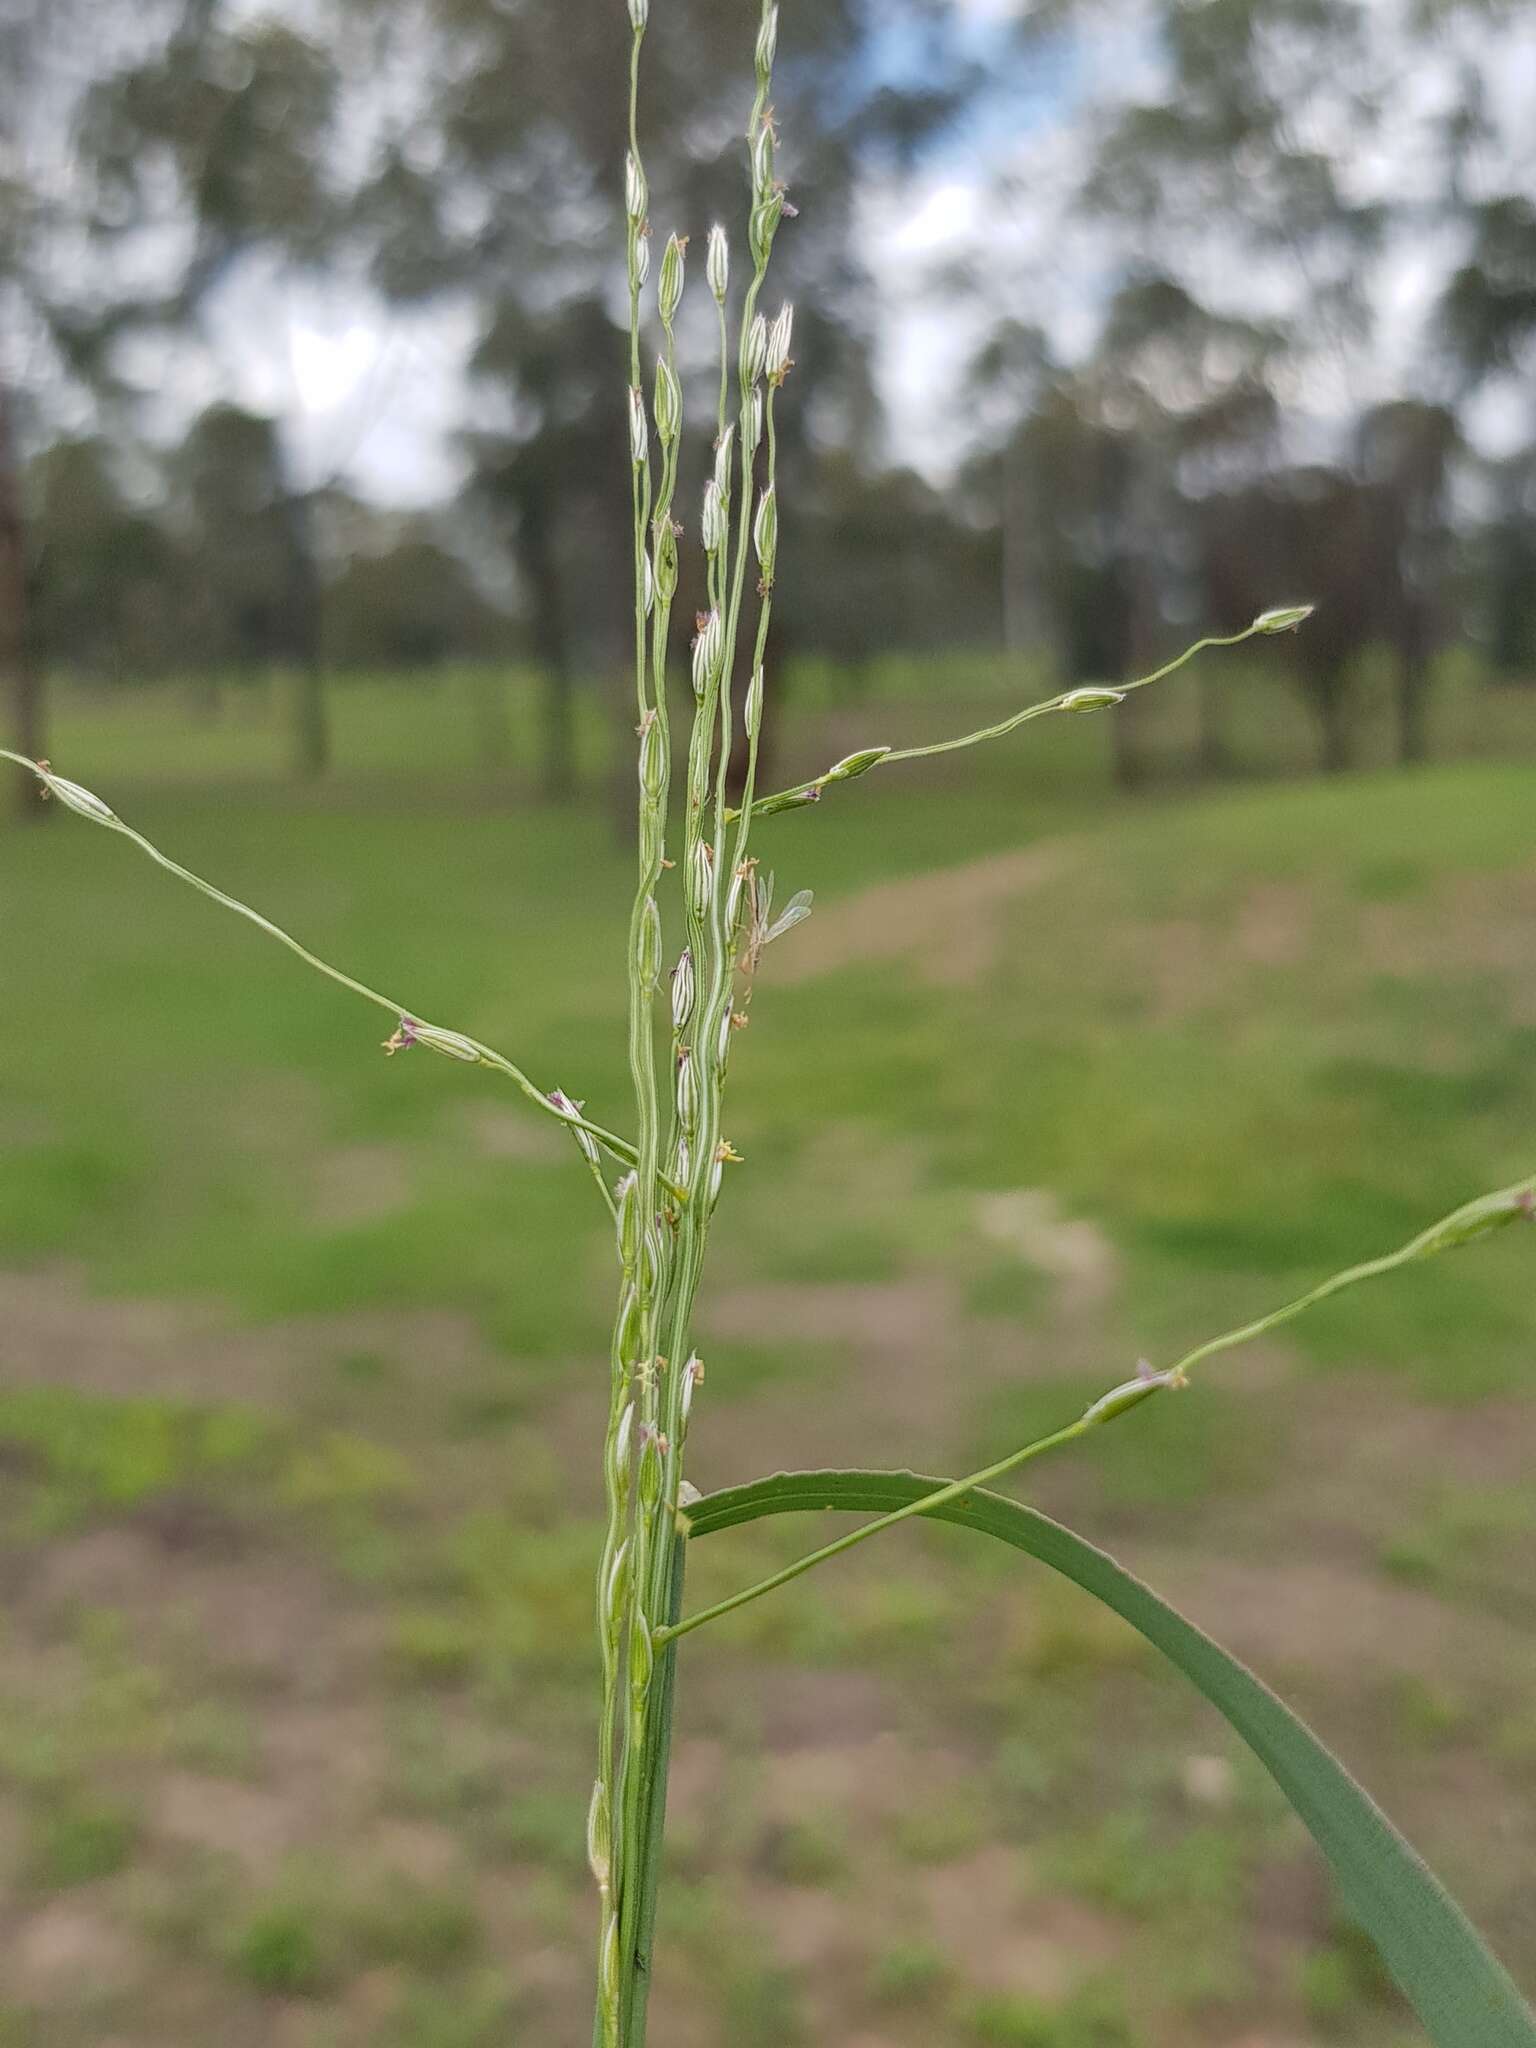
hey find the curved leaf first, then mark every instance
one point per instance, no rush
(1462, 1994)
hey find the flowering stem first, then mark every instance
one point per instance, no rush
(1076, 700)
(1475, 1219)
(412, 1030)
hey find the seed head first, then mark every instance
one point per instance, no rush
(1284, 618)
(642, 1657)
(687, 1092)
(754, 710)
(718, 263)
(639, 14)
(779, 337)
(608, 1968)
(669, 290)
(630, 1328)
(655, 1251)
(452, 1045)
(733, 896)
(642, 257)
(653, 758)
(853, 765)
(636, 194)
(648, 592)
(618, 1453)
(724, 448)
(627, 1223)
(561, 1101)
(683, 990)
(788, 800)
(653, 1448)
(708, 650)
(639, 433)
(755, 423)
(1119, 1400)
(754, 353)
(666, 560)
(669, 403)
(693, 1372)
(1476, 1219)
(701, 878)
(599, 1826)
(617, 1584)
(713, 524)
(649, 961)
(763, 145)
(767, 43)
(74, 798)
(1092, 699)
(764, 225)
(765, 532)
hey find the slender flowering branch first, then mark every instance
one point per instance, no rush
(711, 880)
(734, 526)
(1474, 1220)
(410, 1029)
(1093, 697)
(633, 1347)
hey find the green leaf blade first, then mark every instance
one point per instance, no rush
(1463, 1995)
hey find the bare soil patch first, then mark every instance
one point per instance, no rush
(946, 921)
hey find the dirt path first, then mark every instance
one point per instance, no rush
(946, 918)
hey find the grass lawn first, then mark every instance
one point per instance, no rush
(303, 1372)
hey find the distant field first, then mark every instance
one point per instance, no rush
(302, 1377)
(477, 728)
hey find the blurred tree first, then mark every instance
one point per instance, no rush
(1404, 455)
(105, 576)
(208, 146)
(1487, 318)
(1006, 378)
(906, 572)
(249, 537)
(407, 604)
(1276, 159)
(1506, 552)
(1097, 473)
(49, 325)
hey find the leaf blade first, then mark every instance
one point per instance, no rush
(1463, 1995)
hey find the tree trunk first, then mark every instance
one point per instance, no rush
(1127, 756)
(1213, 757)
(1330, 698)
(558, 723)
(1413, 712)
(312, 725)
(557, 709)
(19, 666)
(1413, 679)
(1018, 618)
(492, 730)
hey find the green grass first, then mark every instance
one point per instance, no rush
(73, 1842)
(1227, 1043)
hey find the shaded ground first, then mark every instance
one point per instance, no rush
(297, 1414)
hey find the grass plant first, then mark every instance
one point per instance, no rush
(698, 865)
